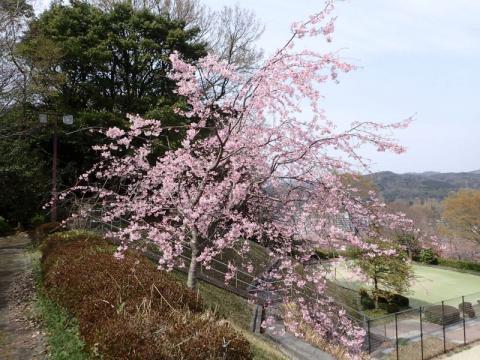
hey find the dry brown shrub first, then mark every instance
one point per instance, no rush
(127, 309)
(181, 335)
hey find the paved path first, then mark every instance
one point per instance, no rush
(19, 336)
(296, 348)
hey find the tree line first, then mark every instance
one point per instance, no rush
(97, 61)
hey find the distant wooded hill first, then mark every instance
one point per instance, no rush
(422, 186)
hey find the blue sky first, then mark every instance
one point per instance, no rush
(416, 57)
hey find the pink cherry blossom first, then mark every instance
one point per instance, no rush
(255, 165)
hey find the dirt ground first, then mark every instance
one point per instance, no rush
(468, 354)
(21, 337)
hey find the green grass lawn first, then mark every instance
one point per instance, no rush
(431, 285)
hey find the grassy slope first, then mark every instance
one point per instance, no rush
(258, 255)
(236, 309)
(239, 312)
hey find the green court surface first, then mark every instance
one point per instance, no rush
(435, 284)
(431, 284)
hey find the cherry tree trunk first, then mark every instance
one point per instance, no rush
(193, 267)
(375, 280)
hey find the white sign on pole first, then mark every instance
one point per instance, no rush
(68, 119)
(43, 118)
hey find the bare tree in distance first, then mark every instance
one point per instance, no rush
(461, 215)
(192, 12)
(234, 36)
(13, 75)
(231, 32)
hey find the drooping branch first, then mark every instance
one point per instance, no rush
(252, 167)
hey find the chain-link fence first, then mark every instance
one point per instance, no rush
(422, 333)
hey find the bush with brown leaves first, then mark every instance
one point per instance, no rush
(127, 309)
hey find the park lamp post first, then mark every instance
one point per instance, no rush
(67, 120)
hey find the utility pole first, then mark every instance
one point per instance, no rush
(53, 214)
(67, 120)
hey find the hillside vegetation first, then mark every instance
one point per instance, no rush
(422, 186)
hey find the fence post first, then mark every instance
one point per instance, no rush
(236, 280)
(463, 316)
(262, 319)
(254, 325)
(443, 327)
(368, 336)
(396, 336)
(421, 333)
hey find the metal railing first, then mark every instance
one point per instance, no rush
(216, 269)
(427, 331)
(242, 283)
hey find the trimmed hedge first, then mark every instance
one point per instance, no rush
(5, 228)
(392, 303)
(460, 264)
(446, 316)
(349, 253)
(127, 309)
(467, 308)
(387, 305)
(387, 301)
(325, 254)
(365, 300)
